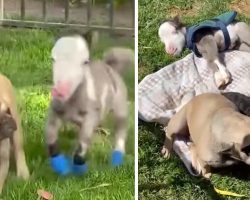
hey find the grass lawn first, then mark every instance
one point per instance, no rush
(25, 59)
(168, 179)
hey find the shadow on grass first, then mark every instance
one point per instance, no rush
(178, 182)
(240, 171)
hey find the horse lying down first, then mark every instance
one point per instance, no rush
(207, 39)
(219, 133)
(83, 92)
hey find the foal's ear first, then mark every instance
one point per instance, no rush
(92, 37)
(176, 21)
(88, 37)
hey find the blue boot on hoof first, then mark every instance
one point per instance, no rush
(117, 158)
(60, 164)
(79, 169)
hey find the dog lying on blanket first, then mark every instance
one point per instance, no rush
(10, 133)
(219, 133)
(83, 92)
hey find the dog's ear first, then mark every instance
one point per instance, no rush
(227, 152)
(176, 19)
(8, 111)
(233, 152)
(246, 141)
(4, 108)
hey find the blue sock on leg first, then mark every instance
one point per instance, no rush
(79, 166)
(79, 169)
(117, 158)
(60, 164)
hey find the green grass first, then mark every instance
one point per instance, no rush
(25, 59)
(168, 179)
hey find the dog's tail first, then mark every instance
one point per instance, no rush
(119, 58)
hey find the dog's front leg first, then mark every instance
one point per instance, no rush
(4, 161)
(198, 164)
(206, 171)
(17, 141)
(168, 145)
(86, 132)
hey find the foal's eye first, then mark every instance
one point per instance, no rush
(86, 62)
(174, 31)
(52, 60)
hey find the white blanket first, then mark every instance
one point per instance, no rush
(162, 94)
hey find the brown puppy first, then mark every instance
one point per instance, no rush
(220, 134)
(10, 133)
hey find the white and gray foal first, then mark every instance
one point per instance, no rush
(83, 92)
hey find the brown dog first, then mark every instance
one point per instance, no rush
(220, 134)
(10, 133)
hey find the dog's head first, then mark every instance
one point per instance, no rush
(70, 57)
(7, 123)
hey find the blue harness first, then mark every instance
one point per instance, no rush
(219, 22)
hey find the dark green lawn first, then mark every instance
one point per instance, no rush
(168, 179)
(25, 59)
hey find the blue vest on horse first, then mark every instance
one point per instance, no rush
(219, 22)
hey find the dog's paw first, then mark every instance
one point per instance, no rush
(165, 152)
(207, 175)
(23, 172)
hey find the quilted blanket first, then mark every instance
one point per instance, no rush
(163, 93)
